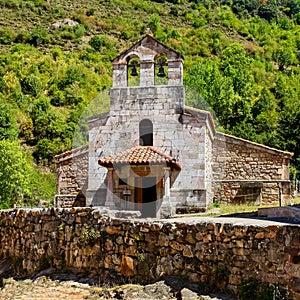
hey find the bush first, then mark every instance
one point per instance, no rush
(90, 12)
(32, 85)
(174, 11)
(6, 36)
(38, 37)
(257, 290)
(199, 22)
(98, 42)
(79, 31)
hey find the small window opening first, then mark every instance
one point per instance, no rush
(146, 133)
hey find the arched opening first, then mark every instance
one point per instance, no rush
(161, 70)
(146, 133)
(133, 71)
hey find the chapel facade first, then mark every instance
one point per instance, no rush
(154, 154)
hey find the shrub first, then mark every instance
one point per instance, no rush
(257, 290)
(174, 11)
(98, 42)
(32, 85)
(6, 36)
(90, 12)
(38, 37)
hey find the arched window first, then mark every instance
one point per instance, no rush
(161, 70)
(133, 71)
(146, 133)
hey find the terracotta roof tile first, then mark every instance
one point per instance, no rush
(139, 155)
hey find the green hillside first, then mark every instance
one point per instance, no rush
(241, 60)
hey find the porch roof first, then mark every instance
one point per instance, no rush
(140, 155)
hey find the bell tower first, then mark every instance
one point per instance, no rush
(146, 102)
(147, 70)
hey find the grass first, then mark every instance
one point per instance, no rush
(220, 209)
(296, 201)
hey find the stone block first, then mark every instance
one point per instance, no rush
(127, 266)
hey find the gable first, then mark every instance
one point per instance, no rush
(150, 47)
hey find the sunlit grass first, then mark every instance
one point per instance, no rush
(296, 201)
(221, 209)
(237, 208)
(228, 209)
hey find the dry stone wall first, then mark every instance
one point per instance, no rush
(242, 168)
(91, 242)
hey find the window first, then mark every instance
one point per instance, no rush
(146, 133)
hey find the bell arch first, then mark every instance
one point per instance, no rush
(161, 74)
(133, 71)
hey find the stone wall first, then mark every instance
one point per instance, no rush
(216, 252)
(244, 171)
(72, 175)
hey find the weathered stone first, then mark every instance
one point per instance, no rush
(190, 238)
(207, 238)
(240, 243)
(127, 266)
(260, 235)
(187, 294)
(163, 240)
(177, 246)
(111, 230)
(187, 251)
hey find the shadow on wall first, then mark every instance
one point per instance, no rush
(99, 197)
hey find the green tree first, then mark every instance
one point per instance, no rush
(265, 118)
(236, 65)
(8, 124)
(230, 108)
(15, 173)
(284, 56)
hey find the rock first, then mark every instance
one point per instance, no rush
(187, 294)
(66, 22)
(158, 288)
(187, 251)
(125, 214)
(111, 230)
(127, 267)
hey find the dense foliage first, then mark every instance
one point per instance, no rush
(241, 59)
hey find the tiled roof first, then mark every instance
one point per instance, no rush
(139, 155)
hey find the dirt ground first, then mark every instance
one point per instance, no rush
(44, 288)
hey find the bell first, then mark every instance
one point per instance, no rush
(161, 72)
(134, 71)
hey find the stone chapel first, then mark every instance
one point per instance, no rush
(154, 154)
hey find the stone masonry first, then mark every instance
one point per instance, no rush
(72, 175)
(222, 253)
(213, 166)
(251, 168)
